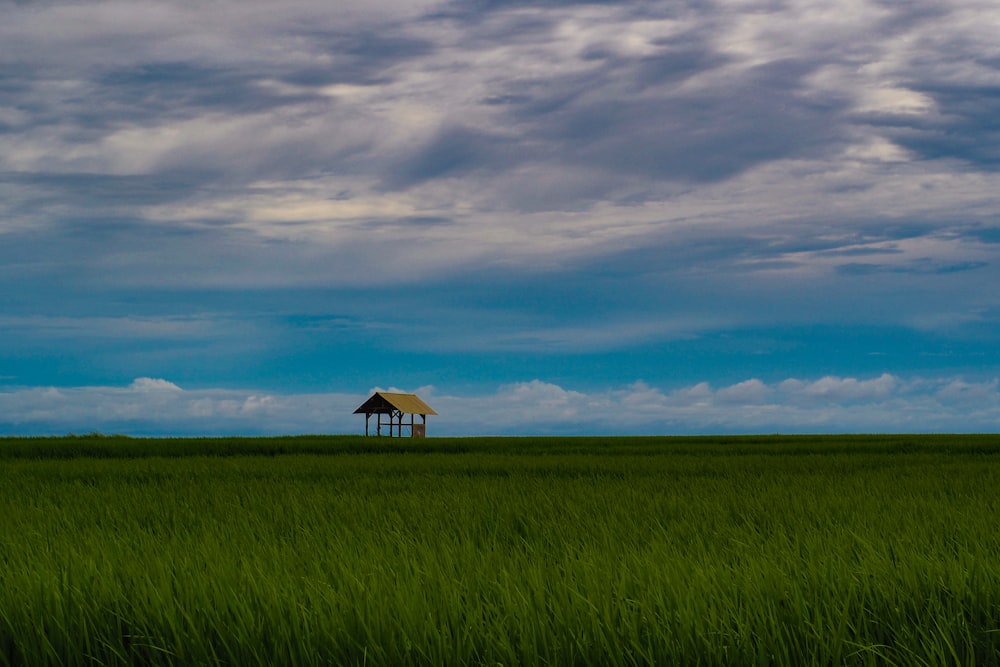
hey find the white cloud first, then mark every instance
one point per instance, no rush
(751, 391)
(153, 384)
(842, 390)
(154, 406)
(960, 391)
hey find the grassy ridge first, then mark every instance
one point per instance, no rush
(874, 550)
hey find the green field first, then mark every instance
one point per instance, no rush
(863, 550)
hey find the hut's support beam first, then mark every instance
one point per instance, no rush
(395, 420)
(387, 413)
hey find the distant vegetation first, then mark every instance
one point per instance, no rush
(863, 550)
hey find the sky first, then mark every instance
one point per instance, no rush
(694, 216)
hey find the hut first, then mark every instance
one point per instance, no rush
(396, 406)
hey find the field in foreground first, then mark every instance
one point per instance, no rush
(603, 551)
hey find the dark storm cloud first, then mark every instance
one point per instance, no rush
(151, 91)
(361, 58)
(628, 115)
(701, 137)
(967, 126)
(15, 80)
(676, 64)
(453, 150)
(84, 104)
(959, 78)
(485, 25)
(598, 120)
(16, 83)
(474, 13)
(906, 14)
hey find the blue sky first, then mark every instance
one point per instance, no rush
(733, 216)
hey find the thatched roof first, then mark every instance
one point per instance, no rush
(383, 402)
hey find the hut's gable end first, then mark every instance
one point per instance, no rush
(375, 404)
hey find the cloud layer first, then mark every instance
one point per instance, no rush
(829, 404)
(520, 131)
(319, 197)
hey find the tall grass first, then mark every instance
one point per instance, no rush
(565, 552)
